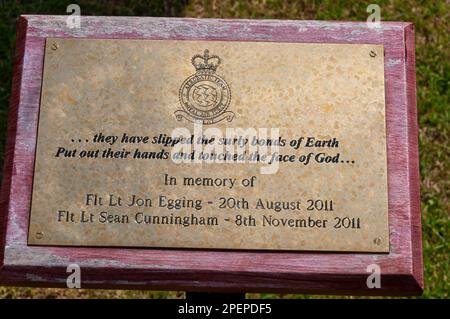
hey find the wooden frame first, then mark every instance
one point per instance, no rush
(215, 270)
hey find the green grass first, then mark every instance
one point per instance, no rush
(431, 19)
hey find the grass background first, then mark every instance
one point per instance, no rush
(431, 19)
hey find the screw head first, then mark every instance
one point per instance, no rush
(377, 241)
(372, 54)
(55, 46)
(39, 235)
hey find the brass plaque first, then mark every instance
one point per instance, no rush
(210, 144)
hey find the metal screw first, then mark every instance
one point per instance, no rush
(373, 54)
(377, 241)
(39, 235)
(55, 46)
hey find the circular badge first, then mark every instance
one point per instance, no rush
(205, 95)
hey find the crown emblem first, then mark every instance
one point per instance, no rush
(205, 62)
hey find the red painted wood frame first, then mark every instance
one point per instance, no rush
(215, 270)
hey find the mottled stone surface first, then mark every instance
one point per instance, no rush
(323, 91)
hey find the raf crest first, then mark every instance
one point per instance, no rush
(205, 96)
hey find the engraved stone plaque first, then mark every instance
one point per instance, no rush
(210, 144)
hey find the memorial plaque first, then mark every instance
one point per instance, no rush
(288, 149)
(213, 155)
